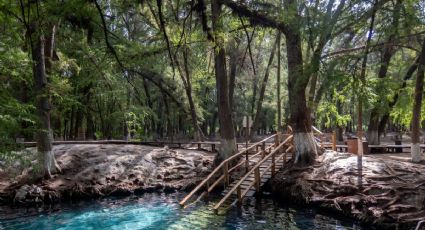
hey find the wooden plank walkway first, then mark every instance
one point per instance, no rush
(251, 182)
(267, 174)
(251, 170)
(248, 158)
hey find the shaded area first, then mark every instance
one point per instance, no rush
(390, 192)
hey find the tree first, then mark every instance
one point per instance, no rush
(227, 132)
(278, 85)
(258, 111)
(417, 105)
(375, 128)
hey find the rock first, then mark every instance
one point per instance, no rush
(138, 182)
(101, 170)
(29, 194)
(198, 168)
(131, 176)
(21, 193)
(169, 189)
(206, 162)
(121, 191)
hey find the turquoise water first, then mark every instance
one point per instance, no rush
(161, 211)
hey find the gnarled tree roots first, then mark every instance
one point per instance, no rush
(386, 193)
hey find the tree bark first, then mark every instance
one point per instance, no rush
(233, 62)
(417, 104)
(305, 146)
(186, 79)
(227, 132)
(362, 83)
(263, 88)
(44, 133)
(279, 103)
(374, 131)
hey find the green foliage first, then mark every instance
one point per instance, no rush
(138, 84)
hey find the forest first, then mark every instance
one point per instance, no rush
(220, 72)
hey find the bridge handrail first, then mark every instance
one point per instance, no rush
(235, 167)
(251, 171)
(220, 167)
(316, 130)
(282, 156)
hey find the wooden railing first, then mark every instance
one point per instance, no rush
(222, 171)
(321, 138)
(115, 142)
(280, 149)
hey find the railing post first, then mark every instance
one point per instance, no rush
(263, 149)
(277, 139)
(273, 164)
(208, 188)
(226, 173)
(321, 141)
(239, 194)
(333, 141)
(257, 179)
(199, 145)
(246, 161)
(212, 147)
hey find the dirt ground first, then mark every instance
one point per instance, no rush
(91, 170)
(385, 191)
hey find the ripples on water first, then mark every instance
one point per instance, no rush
(161, 211)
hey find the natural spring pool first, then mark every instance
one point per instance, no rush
(162, 211)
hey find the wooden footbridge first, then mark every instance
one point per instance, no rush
(243, 174)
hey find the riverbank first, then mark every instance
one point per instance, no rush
(386, 193)
(96, 170)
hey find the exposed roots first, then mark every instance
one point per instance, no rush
(385, 193)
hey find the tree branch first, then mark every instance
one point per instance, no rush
(125, 70)
(254, 16)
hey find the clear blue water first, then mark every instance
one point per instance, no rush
(161, 211)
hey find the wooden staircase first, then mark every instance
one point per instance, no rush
(243, 174)
(266, 175)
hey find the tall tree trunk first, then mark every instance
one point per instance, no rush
(417, 105)
(255, 124)
(339, 128)
(305, 145)
(186, 79)
(374, 131)
(233, 62)
(279, 103)
(150, 104)
(213, 124)
(362, 83)
(89, 126)
(227, 132)
(44, 133)
(78, 122)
